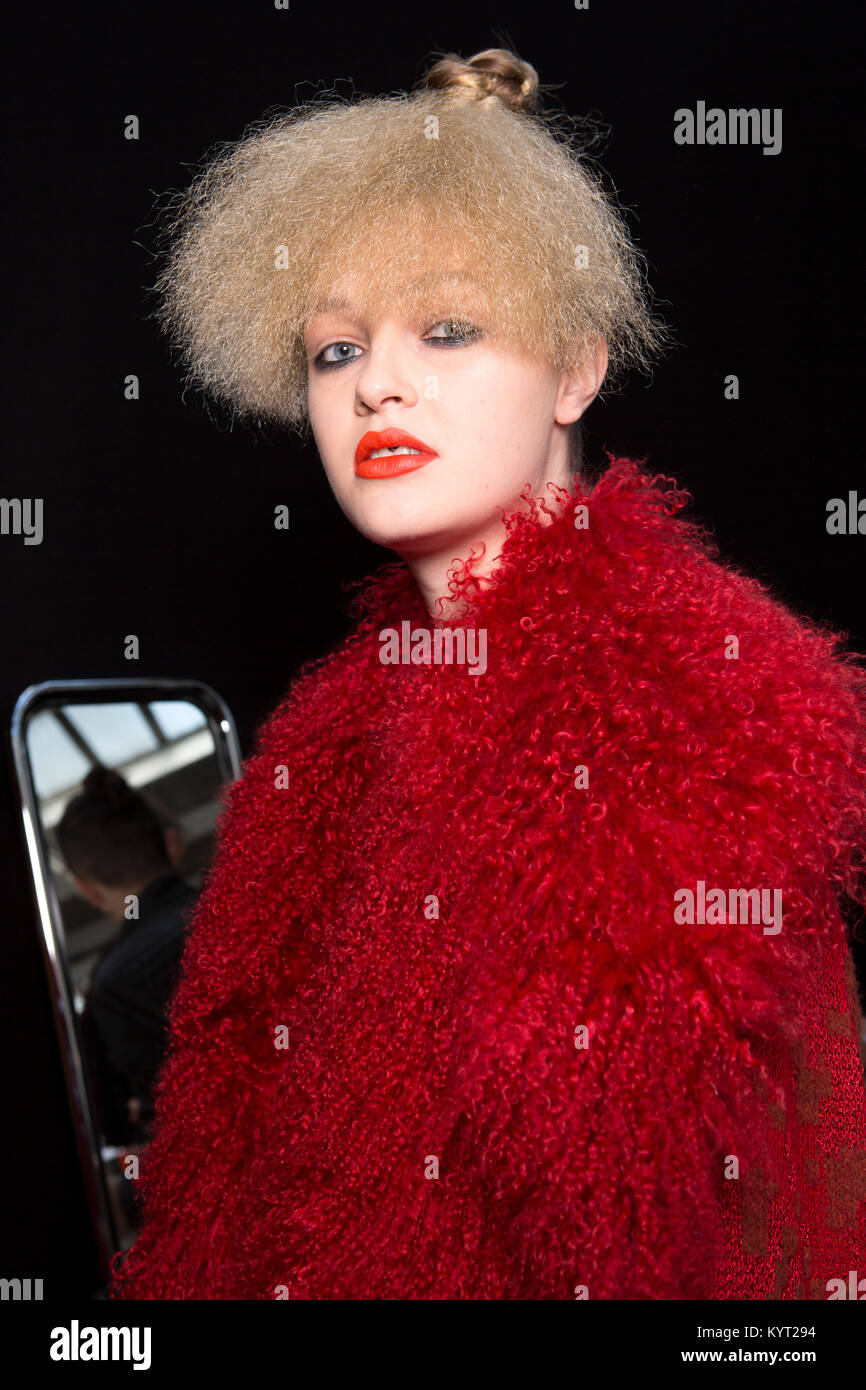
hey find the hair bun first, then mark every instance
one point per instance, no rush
(493, 72)
(108, 784)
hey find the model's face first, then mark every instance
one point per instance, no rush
(489, 415)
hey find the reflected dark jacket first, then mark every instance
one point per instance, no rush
(124, 1023)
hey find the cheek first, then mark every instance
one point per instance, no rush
(317, 394)
(475, 405)
(509, 389)
(506, 412)
(324, 417)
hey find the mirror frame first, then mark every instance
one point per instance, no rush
(48, 694)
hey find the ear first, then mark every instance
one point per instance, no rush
(89, 889)
(174, 845)
(580, 384)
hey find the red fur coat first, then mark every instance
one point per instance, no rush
(447, 1027)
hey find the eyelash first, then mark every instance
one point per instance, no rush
(468, 333)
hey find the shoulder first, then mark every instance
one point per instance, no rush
(722, 737)
(723, 665)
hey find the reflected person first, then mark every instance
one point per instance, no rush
(117, 849)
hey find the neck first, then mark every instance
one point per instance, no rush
(431, 568)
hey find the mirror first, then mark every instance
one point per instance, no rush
(119, 782)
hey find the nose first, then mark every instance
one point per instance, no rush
(386, 376)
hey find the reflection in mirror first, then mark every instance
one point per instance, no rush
(122, 781)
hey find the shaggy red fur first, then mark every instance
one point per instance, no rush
(434, 1128)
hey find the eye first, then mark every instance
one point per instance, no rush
(323, 360)
(457, 331)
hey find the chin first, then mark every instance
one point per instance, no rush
(401, 540)
(407, 522)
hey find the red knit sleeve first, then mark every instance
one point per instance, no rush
(797, 1227)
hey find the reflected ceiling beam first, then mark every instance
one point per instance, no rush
(140, 772)
(75, 734)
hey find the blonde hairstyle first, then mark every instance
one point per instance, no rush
(462, 175)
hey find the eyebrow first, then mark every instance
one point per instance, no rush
(339, 305)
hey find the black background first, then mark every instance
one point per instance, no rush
(159, 517)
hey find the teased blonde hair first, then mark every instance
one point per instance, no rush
(460, 175)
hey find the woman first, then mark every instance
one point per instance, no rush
(520, 972)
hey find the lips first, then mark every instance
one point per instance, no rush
(390, 465)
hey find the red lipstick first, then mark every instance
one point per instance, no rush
(389, 465)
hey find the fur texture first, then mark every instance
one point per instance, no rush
(418, 1041)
